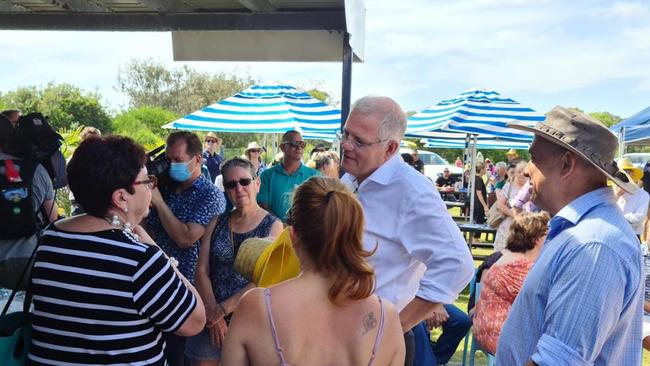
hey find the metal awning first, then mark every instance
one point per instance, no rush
(215, 30)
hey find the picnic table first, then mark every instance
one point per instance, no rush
(469, 230)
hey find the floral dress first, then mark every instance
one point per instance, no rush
(226, 281)
(499, 288)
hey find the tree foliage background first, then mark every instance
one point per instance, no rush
(67, 106)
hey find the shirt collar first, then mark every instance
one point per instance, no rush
(577, 208)
(280, 168)
(385, 172)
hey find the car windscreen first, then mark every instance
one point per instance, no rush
(432, 159)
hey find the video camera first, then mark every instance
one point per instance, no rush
(158, 164)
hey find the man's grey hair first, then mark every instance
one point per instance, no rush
(501, 164)
(393, 118)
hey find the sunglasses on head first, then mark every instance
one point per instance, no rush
(233, 183)
(296, 144)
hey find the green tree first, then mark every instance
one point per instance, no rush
(144, 125)
(606, 118)
(182, 90)
(66, 106)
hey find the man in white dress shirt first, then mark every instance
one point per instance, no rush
(633, 205)
(421, 260)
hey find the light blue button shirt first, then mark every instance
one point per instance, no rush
(582, 301)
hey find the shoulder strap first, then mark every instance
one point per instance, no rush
(28, 295)
(380, 333)
(274, 333)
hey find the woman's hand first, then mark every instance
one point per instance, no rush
(218, 332)
(213, 314)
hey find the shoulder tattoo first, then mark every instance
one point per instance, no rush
(369, 322)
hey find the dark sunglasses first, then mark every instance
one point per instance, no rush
(151, 182)
(296, 144)
(233, 183)
(254, 150)
(210, 141)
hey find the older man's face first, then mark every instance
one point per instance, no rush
(363, 129)
(543, 173)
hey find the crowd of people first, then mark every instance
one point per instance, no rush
(146, 274)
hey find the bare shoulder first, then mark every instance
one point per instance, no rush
(251, 301)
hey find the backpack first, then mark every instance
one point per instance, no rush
(41, 143)
(18, 218)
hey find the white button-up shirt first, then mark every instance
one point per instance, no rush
(635, 208)
(420, 250)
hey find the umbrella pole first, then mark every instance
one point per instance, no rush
(621, 142)
(472, 179)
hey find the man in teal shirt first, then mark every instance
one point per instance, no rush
(279, 182)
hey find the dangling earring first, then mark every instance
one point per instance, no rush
(125, 209)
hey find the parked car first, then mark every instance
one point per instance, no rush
(434, 164)
(638, 159)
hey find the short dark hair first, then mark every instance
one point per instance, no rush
(525, 229)
(99, 167)
(289, 133)
(193, 142)
(237, 162)
(408, 159)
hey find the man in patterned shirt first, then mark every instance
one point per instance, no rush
(178, 220)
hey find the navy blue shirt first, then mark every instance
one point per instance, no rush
(213, 162)
(199, 204)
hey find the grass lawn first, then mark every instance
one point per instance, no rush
(461, 303)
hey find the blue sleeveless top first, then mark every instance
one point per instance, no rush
(226, 281)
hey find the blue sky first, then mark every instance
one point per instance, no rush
(591, 54)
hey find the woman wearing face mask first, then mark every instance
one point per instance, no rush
(216, 279)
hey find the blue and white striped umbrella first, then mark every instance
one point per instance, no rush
(481, 144)
(266, 109)
(476, 111)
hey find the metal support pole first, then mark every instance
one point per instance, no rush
(472, 180)
(346, 83)
(621, 142)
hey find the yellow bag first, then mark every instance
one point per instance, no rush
(266, 263)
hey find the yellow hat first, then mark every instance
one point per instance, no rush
(512, 152)
(266, 262)
(633, 172)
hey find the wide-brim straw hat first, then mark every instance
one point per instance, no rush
(251, 146)
(626, 164)
(585, 136)
(214, 136)
(248, 254)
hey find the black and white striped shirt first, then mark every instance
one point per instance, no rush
(103, 298)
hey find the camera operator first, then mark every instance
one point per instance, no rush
(178, 220)
(21, 181)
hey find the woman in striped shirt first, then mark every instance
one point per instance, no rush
(103, 292)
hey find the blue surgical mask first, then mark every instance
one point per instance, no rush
(180, 172)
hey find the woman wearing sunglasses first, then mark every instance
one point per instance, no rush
(254, 154)
(218, 283)
(103, 292)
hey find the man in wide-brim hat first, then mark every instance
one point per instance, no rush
(581, 303)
